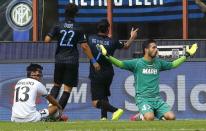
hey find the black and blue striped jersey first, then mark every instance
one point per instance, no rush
(110, 44)
(68, 35)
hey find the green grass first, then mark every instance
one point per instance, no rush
(178, 125)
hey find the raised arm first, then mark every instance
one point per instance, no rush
(133, 36)
(189, 52)
(115, 61)
(176, 63)
(201, 5)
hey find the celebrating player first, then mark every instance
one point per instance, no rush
(26, 92)
(146, 73)
(68, 34)
(101, 80)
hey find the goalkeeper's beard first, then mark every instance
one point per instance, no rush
(152, 55)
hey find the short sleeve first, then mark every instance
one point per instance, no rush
(165, 65)
(130, 65)
(41, 89)
(54, 31)
(82, 38)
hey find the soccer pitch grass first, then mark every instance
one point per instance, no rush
(178, 125)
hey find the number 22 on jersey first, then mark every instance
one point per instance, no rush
(67, 38)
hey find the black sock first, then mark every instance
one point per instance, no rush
(101, 104)
(103, 113)
(64, 98)
(55, 91)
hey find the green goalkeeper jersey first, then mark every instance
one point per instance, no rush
(146, 75)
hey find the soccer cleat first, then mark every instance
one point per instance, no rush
(163, 118)
(103, 119)
(52, 118)
(49, 119)
(63, 118)
(134, 117)
(117, 114)
(137, 117)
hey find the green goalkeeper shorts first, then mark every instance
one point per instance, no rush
(154, 105)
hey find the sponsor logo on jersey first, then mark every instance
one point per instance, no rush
(149, 71)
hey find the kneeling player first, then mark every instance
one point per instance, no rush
(147, 70)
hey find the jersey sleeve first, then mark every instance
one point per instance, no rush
(165, 65)
(118, 44)
(130, 65)
(82, 38)
(54, 31)
(41, 89)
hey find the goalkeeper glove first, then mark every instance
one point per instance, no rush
(102, 49)
(191, 51)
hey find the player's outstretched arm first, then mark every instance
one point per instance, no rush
(189, 52)
(113, 60)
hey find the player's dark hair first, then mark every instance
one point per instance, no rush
(146, 44)
(71, 10)
(32, 68)
(103, 26)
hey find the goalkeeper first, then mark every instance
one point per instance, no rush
(146, 72)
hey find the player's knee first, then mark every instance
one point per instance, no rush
(94, 104)
(149, 117)
(170, 116)
(57, 85)
(67, 88)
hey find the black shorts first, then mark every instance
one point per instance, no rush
(66, 74)
(100, 91)
(104, 74)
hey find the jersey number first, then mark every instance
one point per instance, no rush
(66, 34)
(21, 94)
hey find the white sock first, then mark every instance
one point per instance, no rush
(141, 117)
